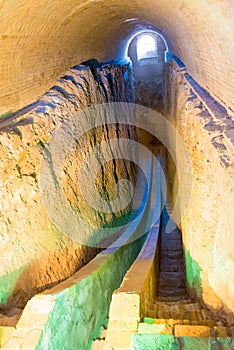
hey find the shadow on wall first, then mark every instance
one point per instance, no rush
(18, 288)
(195, 287)
(41, 255)
(17, 284)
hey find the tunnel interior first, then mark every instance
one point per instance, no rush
(61, 60)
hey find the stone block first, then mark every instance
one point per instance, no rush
(210, 323)
(220, 332)
(31, 340)
(221, 344)
(98, 345)
(193, 343)
(173, 322)
(192, 331)
(155, 329)
(154, 341)
(123, 324)
(185, 322)
(13, 344)
(125, 306)
(36, 311)
(231, 330)
(118, 340)
(160, 321)
(5, 334)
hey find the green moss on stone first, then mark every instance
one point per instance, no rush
(194, 343)
(82, 309)
(6, 115)
(148, 320)
(193, 273)
(154, 342)
(8, 283)
(221, 344)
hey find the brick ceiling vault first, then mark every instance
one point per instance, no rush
(40, 39)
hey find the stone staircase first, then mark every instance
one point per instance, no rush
(173, 301)
(183, 321)
(172, 276)
(175, 321)
(173, 304)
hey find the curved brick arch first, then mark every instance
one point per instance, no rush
(40, 41)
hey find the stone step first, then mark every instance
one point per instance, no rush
(172, 260)
(180, 321)
(171, 275)
(173, 303)
(167, 341)
(178, 308)
(171, 283)
(168, 266)
(194, 317)
(171, 254)
(192, 312)
(171, 242)
(171, 236)
(163, 326)
(171, 247)
(174, 232)
(192, 331)
(166, 298)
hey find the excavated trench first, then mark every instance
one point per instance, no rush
(96, 83)
(83, 86)
(36, 256)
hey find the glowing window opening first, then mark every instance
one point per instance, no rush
(146, 47)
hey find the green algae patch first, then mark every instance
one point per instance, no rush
(194, 343)
(8, 283)
(193, 273)
(5, 334)
(148, 320)
(221, 344)
(81, 309)
(6, 115)
(154, 342)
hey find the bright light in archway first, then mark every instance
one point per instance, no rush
(146, 46)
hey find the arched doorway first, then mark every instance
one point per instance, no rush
(147, 53)
(146, 47)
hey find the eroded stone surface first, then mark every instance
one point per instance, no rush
(35, 255)
(207, 221)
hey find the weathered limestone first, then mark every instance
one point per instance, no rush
(5, 334)
(31, 324)
(34, 253)
(144, 328)
(192, 331)
(69, 310)
(207, 225)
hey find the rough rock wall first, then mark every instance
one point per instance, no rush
(34, 254)
(207, 226)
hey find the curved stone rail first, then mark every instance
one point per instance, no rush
(71, 314)
(133, 299)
